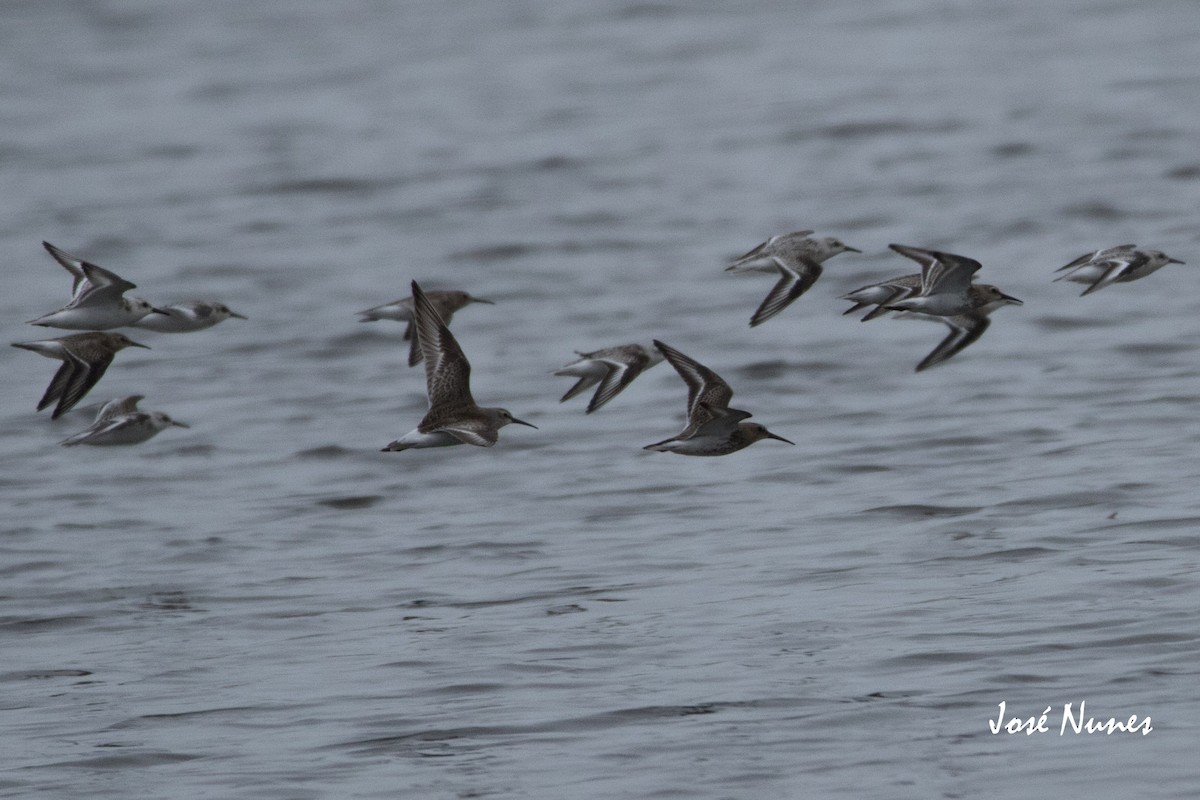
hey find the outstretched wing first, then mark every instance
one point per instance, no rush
(1112, 270)
(83, 377)
(707, 392)
(796, 277)
(621, 373)
(447, 371)
(964, 330)
(940, 272)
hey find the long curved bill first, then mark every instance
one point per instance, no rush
(770, 435)
(1012, 299)
(523, 422)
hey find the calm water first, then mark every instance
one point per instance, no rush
(266, 606)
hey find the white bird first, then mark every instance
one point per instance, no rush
(97, 299)
(798, 260)
(194, 315)
(119, 422)
(1120, 264)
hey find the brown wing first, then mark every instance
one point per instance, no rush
(83, 378)
(705, 387)
(447, 371)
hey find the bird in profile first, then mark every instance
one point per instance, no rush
(944, 272)
(798, 260)
(713, 428)
(1120, 264)
(85, 358)
(453, 417)
(193, 315)
(613, 368)
(119, 422)
(446, 302)
(98, 299)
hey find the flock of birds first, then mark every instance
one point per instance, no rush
(943, 290)
(98, 304)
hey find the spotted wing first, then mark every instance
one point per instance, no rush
(447, 371)
(722, 422)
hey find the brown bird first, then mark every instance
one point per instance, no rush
(85, 358)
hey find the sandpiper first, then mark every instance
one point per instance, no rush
(119, 422)
(97, 299)
(613, 368)
(453, 417)
(798, 260)
(194, 315)
(445, 302)
(945, 282)
(85, 357)
(1120, 264)
(713, 428)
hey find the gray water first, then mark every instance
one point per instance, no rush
(267, 606)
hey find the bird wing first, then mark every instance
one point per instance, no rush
(118, 406)
(70, 263)
(1097, 254)
(796, 277)
(447, 371)
(83, 378)
(940, 272)
(964, 329)
(621, 373)
(101, 287)
(1114, 269)
(476, 432)
(706, 390)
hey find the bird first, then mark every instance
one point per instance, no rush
(445, 301)
(98, 299)
(945, 282)
(193, 315)
(977, 301)
(713, 428)
(453, 417)
(85, 358)
(119, 422)
(1120, 264)
(798, 260)
(613, 368)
